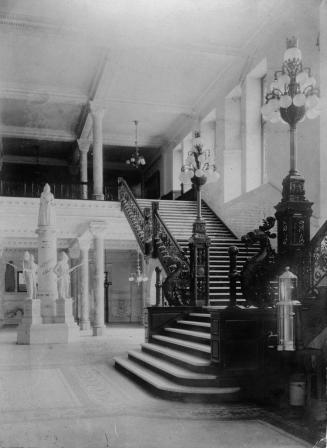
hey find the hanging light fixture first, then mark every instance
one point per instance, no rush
(136, 159)
(137, 276)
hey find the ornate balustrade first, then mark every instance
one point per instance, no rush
(313, 270)
(133, 214)
(60, 190)
(176, 286)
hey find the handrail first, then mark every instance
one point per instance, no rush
(161, 231)
(132, 212)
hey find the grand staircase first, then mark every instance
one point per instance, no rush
(176, 363)
(179, 217)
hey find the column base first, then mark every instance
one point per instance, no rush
(98, 331)
(85, 325)
(98, 197)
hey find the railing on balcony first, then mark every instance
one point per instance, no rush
(60, 190)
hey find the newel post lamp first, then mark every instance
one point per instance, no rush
(199, 168)
(293, 96)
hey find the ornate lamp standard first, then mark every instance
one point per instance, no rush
(293, 97)
(199, 168)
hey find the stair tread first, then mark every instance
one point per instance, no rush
(185, 357)
(195, 323)
(183, 343)
(170, 367)
(198, 334)
(165, 384)
(207, 315)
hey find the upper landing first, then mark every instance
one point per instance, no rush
(19, 221)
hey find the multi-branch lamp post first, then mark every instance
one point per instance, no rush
(293, 96)
(199, 168)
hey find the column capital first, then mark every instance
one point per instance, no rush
(97, 109)
(84, 243)
(83, 144)
(97, 228)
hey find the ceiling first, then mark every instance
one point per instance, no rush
(158, 62)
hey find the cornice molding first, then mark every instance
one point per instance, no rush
(37, 133)
(47, 94)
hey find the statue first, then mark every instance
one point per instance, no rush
(30, 275)
(62, 271)
(47, 214)
(259, 270)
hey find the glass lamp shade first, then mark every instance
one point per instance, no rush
(131, 278)
(312, 113)
(275, 117)
(199, 173)
(274, 85)
(301, 78)
(292, 53)
(285, 101)
(299, 100)
(128, 162)
(274, 104)
(311, 102)
(142, 161)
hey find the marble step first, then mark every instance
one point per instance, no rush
(185, 346)
(169, 389)
(193, 323)
(169, 370)
(190, 335)
(192, 362)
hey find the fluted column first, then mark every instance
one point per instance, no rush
(97, 113)
(85, 305)
(97, 229)
(84, 146)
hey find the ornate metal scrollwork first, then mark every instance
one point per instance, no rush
(259, 270)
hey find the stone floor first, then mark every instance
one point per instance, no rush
(69, 396)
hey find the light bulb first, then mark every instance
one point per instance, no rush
(128, 162)
(199, 173)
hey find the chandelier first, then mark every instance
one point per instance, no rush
(136, 159)
(137, 277)
(293, 95)
(199, 166)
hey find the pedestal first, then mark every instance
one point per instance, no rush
(31, 318)
(199, 263)
(293, 221)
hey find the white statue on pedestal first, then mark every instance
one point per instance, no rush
(47, 214)
(30, 275)
(62, 271)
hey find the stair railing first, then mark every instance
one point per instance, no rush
(133, 213)
(313, 269)
(176, 286)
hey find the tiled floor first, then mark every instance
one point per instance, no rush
(71, 396)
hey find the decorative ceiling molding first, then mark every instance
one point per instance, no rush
(157, 107)
(37, 133)
(41, 96)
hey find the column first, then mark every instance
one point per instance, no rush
(97, 229)
(97, 113)
(84, 146)
(85, 301)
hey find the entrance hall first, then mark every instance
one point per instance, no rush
(70, 395)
